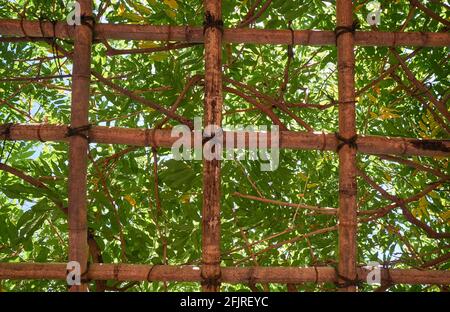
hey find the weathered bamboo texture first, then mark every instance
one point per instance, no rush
(194, 34)
(376, 145)
(78, 145)
(211, 168)
(347, 154)
(231, 275)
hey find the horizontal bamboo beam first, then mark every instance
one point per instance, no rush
(375, 145)
(232, 275)
(194, 34)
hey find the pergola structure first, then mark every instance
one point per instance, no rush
(210, 274)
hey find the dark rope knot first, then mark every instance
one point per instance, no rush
(340, 30)
(351, 142)
(43, 18)
(347, 282)
(211, 22)
(211, 281)
(89, 21)
(5, 130)
(79, 131)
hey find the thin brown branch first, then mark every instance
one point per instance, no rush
(420, 98)
(14, 79)
(36, 183)
(386, 73)
(415, 165)
(142, 100)
(406, 213)
(264, 109)
(429, 12)
(256, 15)
(419, 85)
(436, 261)
(321, 210)
(191, 82)
(170, 47)
(290, 241)
(93, 246)
(269, 100)
(104, 184)
(159, 212)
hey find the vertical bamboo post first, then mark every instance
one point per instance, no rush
(211, 168)
(347, 154)
(78, 145)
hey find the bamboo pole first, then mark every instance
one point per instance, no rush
(232, 275)
(194, 34)
(376, 145)
(211, 168)
(347, 154)
(78, 145)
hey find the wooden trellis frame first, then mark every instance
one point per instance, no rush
(211, 273)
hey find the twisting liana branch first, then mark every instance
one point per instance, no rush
(429, 12)
(270, 237)
(419, 85)
(406, 213)
(266, 110)
(436, 261)
(415, 165)
(380, 212)
(110, 51)
(256, 15)
(420, 98)
(102, 178)
(243, 232)
(291, 241)
(157, 216)
(386, 73)
(103, 7)
(133, 96)
(36, 183)
(191, 82)
(142, 100)
(251, 11)
(39, 78)
(268, 99)
(320, 210)
(94, 248)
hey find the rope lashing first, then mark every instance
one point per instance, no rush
(150, 272)
(39, 133)
(211, 281)
(340, 30)
(211, 22)
(89, 21)
(347, 282)
(79, 131)
(351, 142)
(5, 130)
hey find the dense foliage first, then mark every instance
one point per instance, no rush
(121, 185)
